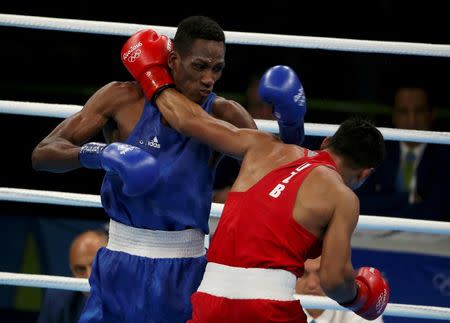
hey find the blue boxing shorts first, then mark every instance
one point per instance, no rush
(145, 276)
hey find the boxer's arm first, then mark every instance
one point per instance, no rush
(188, 118)
(337, 275)
(58, 152)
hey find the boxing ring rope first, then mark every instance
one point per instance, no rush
(89, 200)
(232, 37)
(313, 129)
(366, 222)
(308, 301)
(242, 38)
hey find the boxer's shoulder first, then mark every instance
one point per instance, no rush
(232, 112)
(116, 96)
(122, 90)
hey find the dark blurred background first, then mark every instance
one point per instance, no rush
(62, 67)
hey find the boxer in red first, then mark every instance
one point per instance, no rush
(288, 204)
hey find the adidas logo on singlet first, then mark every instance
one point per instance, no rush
(154, 143)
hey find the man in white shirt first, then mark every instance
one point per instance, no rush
(309, 284)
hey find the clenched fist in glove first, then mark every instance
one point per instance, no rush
(373, 294)
(281, 88)
(145, 55)
(136, 167)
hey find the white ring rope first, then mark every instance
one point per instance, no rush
(39, 109)
(324, 43)
(49, 197)
(317, 302)
(44, 281)
(323, 129)
(232, 37)
(366, 222)
(313, 129)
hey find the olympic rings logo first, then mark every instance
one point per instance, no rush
(442, 283)
(381, 302)
(133, 57)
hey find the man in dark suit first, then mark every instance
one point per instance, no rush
(413, 181)
(62, 306)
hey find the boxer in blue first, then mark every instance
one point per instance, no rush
(158, 183)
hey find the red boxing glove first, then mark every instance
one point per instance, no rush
(145, 56)
(373, 294)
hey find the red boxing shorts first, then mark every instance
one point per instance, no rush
(253, 295)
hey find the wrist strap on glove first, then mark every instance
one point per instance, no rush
(292, 133)
(90, 154)
(359, 300)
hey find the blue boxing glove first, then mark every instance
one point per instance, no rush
(137, 168)
(281, 88)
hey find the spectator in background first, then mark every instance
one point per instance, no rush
(61, 306)
(257, 108)
(412, 182)
(309, 284)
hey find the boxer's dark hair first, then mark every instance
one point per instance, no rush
(196, 27)
(359, 142)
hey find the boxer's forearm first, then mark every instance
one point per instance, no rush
(178, 110)
(58, 156)
(188, 118)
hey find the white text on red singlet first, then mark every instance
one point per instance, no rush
(276, 192)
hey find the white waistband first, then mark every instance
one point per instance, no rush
(248, 283)
(155, 244)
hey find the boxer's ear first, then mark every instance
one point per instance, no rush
(173, 58)
(325, 143)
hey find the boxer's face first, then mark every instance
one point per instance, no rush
(309, 283)
(196, 71)
(82, 253)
